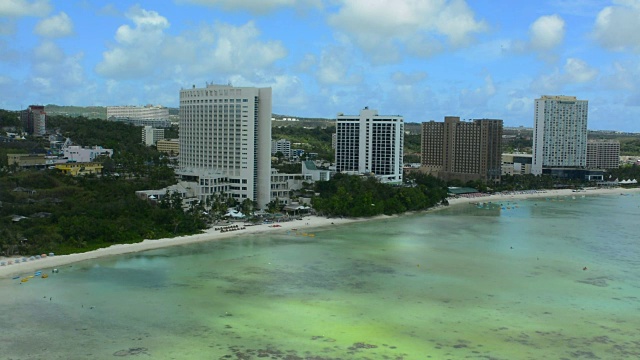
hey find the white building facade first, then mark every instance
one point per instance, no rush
(79, 154)
(225, 141)
(283, 146)
(559, 133)
(157, 116)
(369, 143)
(151, 135)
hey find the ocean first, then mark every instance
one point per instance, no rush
(549, 278)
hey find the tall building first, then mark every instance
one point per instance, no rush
(149, 115)
(603, 154)
(283, 146)
(34, 120)
(559, 133)
(370, 144)
(225, 141)
(151, 135)
(462, 150)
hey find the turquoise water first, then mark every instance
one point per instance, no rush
(500, 282)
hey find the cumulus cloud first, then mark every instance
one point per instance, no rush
(137, 48)
(621, 77)
(336, 68)
(146, 49)
(384, 27)
(53, 69)
(55, 26)
(575, 71)
(480, 96)
(578, 71)
(617, 27)
(547, 32)
(17, 8)
(257, 6)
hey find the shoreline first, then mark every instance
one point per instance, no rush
(309, 223)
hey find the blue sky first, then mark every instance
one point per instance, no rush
(422, 59)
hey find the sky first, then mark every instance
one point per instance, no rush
(421, 59)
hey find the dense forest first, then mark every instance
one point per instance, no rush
(42, 211)
(356, 196)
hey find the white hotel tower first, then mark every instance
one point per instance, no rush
(370, 144)
(559, 133)
(225, 141)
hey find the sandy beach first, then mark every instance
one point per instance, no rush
(306, 225)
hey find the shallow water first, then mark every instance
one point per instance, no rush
(499, 282)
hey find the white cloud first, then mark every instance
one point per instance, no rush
(546, 32)
(578, 71)
(56, 26)
(621, 77)
(220, 50)
(479, 96)
(257, 6)
(617, 27)
(51, 70)
(402, 78)
(24, 8)
(384, 27)
(575, 71)
(336, 68)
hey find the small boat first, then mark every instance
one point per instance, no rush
(24, 280)
(44, 276)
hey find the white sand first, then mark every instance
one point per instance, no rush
(529, 194)
(304, 226)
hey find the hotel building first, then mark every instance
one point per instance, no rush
(283, 146)
(34, 120)
(151, 135)
(559, 134)
(225, 141)
(603, 154)
(462, 150)
(370, 144)
(149, 115)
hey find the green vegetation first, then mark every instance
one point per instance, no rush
(72, 214)
(626, 172)
(356, 196)
(66, 214)
(316, 140)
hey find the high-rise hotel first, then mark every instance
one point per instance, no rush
(369, 143)
(465, 151)
(559, 133)
(225, 141)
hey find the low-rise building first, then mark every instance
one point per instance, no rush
(75, 169)
(79, 154)
(27, 160)
(516, 164)
(169, 146)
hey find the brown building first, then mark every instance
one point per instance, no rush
(169, 146)
(462, 150)
(603, 154)
(27, 160)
